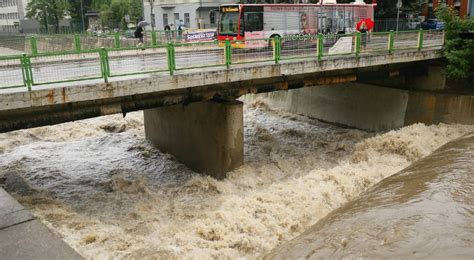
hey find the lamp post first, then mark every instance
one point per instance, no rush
(399, 5)
(152, 16)
(82, 15)
(320, 14)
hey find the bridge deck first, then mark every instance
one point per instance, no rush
(129, 88)
(49, 70)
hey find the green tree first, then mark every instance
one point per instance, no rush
(113, 15)
(77, 13)
(97, 4)
(459, 52)
(388, 8)
(47, 12)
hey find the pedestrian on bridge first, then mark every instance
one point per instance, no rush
(364, 35)
(168, 32)
(140, 32)
(364, 26)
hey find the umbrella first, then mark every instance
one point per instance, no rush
(369, 24)
(142, 24)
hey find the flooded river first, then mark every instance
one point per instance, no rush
(425, 211)
(110, 194)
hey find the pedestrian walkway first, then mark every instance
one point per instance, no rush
(22, 236)
(7, 51)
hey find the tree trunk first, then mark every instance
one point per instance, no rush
(56, 21)
(45, 21)
(56, 17)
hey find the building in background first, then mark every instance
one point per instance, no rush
(471, 8)
(189, 13)
(464, 7)
(11, 13)
(13, 19)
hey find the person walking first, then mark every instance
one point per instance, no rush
(180, 32)
(140, 32)
(364, 35)
(173, 31)
(168, 32)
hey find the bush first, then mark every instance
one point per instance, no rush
(459, 52)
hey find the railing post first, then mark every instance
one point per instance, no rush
(420, 39)
(171, 58)
(77, 43)
(228, 52)
(391, 39)
(34, 45)
(26, 71)
(276, 49)
(444, 38)
(320, 46)
(153, 38)
(357, 43)
(117, 40)
(104, 64)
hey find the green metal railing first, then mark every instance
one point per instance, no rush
(117, 60)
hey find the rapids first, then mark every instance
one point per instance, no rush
(110, 194)
(425, 211)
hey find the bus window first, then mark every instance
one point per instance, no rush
(253, 22)
(229, 23)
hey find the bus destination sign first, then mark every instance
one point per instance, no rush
(230, 9)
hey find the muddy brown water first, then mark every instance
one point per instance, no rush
(425, 211)
(111, 195)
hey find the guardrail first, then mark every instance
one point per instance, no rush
(29, 70)
(35, 44)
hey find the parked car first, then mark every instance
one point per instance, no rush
(432, 24)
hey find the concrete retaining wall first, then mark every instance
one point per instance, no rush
(432, 108)
(373, 108)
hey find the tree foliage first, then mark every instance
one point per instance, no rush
(97, 4)
(77, 12)
(459, 52)
(113, 15)
(47, 12)
(388, 8)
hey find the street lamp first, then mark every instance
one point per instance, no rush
(82, 14)
(399, 5)
(152, 16)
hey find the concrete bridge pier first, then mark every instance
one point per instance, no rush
(206, 136)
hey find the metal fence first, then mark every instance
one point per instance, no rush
(404, 24)
(36, 44)
(73, 63)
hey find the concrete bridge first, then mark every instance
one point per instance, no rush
(193, 114)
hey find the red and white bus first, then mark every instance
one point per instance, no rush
(242, 22)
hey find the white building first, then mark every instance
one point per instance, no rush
(11, 12)
(191, 13)
(471, 8)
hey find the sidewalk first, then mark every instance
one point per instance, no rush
(7, 51)
(22, 236)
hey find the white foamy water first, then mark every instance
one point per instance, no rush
(102, 187)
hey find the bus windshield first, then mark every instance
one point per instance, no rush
(229, 23)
